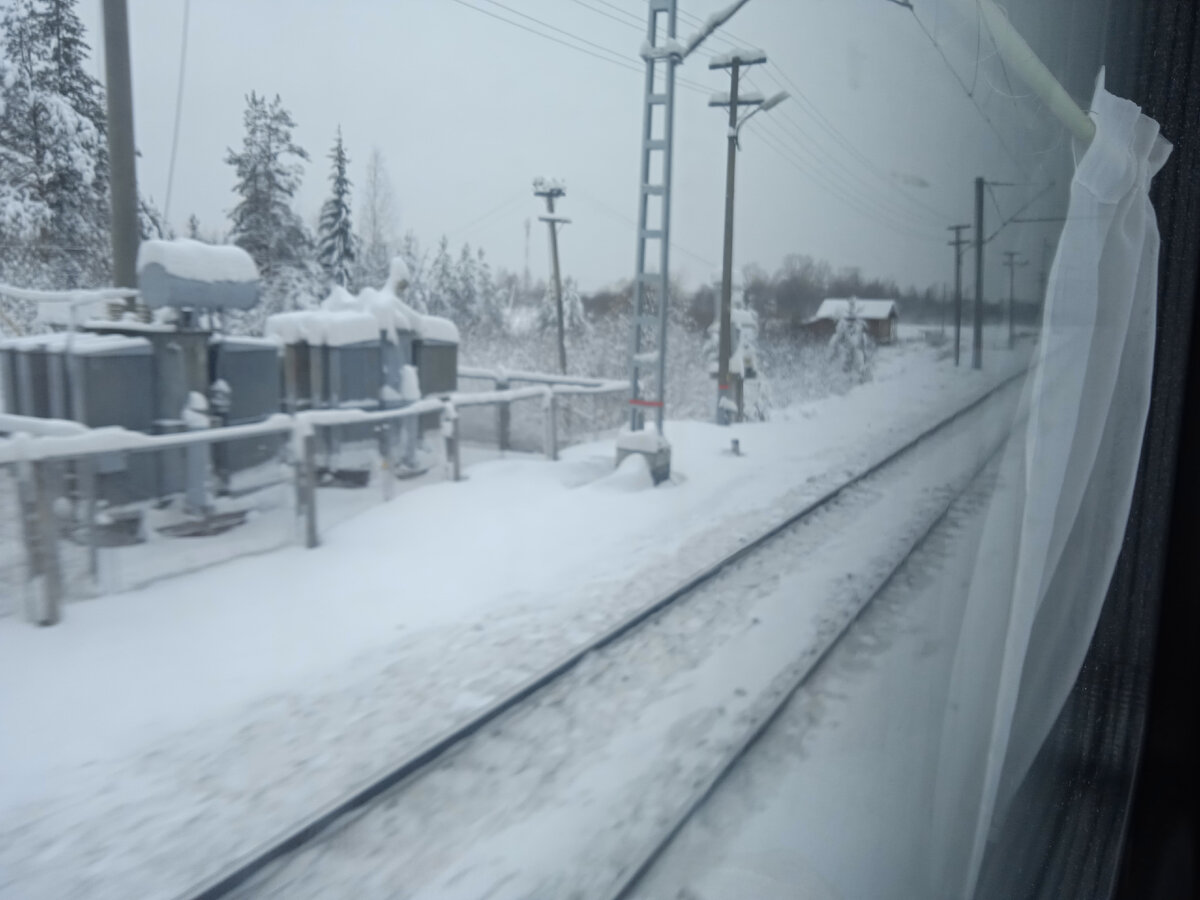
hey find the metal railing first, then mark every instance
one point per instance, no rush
(91, 511)
(582, 408)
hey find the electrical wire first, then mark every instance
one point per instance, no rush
(479, 220)
(787, 122)
(996, 203)
(553, 28)
(637, 26)
(789, 133)
(970, 96)
(843, 189)
(178, 110)
(1024, 206)
(978, 47)
(616, 57)
(783, 81)
(832, 188)
(624, 219)
(608, 59)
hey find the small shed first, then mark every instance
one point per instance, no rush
(881, 318)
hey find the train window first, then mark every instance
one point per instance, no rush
(683, 449)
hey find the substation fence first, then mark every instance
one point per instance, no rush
(583, 409)
(85, 512)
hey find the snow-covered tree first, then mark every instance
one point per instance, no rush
(442, 281)
(377, 223)
(416, 294)
(850, 346)
(337, 247)
(575, 322)
(492, 299)
(269, 168)
(53, 153)
(151, 224)
(193, 227)
(465, 303)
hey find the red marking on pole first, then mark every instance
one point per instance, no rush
(636, 402)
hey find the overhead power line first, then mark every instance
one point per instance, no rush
(817, 163)
(816, 177)
(178, 111)
(554, 28)
(629, 62)
(479, 220)
(780, 77)
(633, 23)
(969, 92)
(1032, 200)
(837, 166)
(843, 177)
(608, 59)
(624, 219)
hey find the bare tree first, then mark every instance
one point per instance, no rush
(378, 222)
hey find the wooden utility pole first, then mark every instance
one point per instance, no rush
(733, 61)
(1010, 260)
(958, 243)
(725, 343)
(122, 168)
(551, 191)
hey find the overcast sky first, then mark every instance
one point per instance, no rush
(866, 169)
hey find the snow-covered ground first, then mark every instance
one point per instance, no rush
(157, 733)
(835, 800)
(559, 798)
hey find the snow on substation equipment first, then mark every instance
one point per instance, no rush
(367, 351)
(138, 366)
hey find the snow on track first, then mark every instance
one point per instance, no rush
(845, 773)
(159, 733)
(559, 797)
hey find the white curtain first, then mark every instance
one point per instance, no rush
(1058, 515)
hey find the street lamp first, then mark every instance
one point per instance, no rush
(734, 61)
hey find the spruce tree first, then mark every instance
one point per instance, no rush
(268, 172)
(337, 248)
(53, 153)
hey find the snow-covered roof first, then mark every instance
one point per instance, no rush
(80, 342)
(197, 261)
(837, 308)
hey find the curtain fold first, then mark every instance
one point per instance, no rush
(1057, 519)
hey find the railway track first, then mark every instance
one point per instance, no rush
(630, 880)
(247, 870)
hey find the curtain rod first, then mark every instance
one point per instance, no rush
(1018, 54)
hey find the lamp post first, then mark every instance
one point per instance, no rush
(734, 61)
